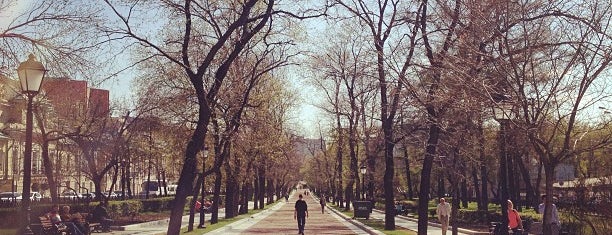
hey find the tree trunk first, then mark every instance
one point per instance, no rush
(185, 185)
(430, 152)
(455, 207)
(530, 195)
(230, 192)
(348, 195)
(214, 216)
(441, 190)
(464, 192)
(194, 198)
(262, 187)
(550, 179)
(49, 172)
(476, 187)
(245, 196)
(389, 175)
(128, 181)
(485, 187)
(538, 180)
(47, 163)
(270, 191)
(408, 178)
(256, 192)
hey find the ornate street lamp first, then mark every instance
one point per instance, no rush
(202, 218)
(31, 74)
(363, 171)
(503, 112)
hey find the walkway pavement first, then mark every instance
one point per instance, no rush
(279, 220)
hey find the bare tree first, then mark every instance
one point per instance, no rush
(383, 21)
(222, 31)
(556, 76)
(62, 34)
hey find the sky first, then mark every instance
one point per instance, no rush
(13, 9)
(304, 119)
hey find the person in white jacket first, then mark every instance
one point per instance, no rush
(443, 211)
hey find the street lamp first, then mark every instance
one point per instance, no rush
(31, 74)
(503, 114)
(202, 218)
(363, 171)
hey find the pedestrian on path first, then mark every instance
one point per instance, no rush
(322, 202)
(443, 211)
(300, 213)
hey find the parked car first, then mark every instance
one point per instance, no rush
(35, 196)
(110, 194)
(69, 195)
(10, 196)
(120, 193)
(89, 196)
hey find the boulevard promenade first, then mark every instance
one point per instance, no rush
(278, 219)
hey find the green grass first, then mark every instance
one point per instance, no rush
(223, 222)
(8, 231)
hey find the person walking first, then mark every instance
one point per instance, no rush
(443, 211)
(514, 219)
(553, 223)
(300, 213)
(322, 202)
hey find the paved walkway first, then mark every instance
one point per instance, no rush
(279, 220)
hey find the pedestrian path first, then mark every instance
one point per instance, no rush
(280, 220)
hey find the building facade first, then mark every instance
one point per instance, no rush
(60, 102)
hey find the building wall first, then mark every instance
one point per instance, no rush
(98, 104)
(69, 100)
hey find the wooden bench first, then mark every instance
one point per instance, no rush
(93, 227)
(49, 228)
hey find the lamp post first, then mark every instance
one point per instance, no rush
(363, 171)
(503, 113)
(202, 218)
(31, 74)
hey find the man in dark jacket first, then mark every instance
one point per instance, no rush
(300, 213)
(100, 215)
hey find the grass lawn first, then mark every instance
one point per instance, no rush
(8, 231)
(223, 222)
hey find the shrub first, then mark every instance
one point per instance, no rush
(157, 204)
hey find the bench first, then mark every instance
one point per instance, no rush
(49, 228)
(93, 227)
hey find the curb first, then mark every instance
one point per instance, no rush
(145, 224)
(360, 225)
(461, 230)
(239, 223)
